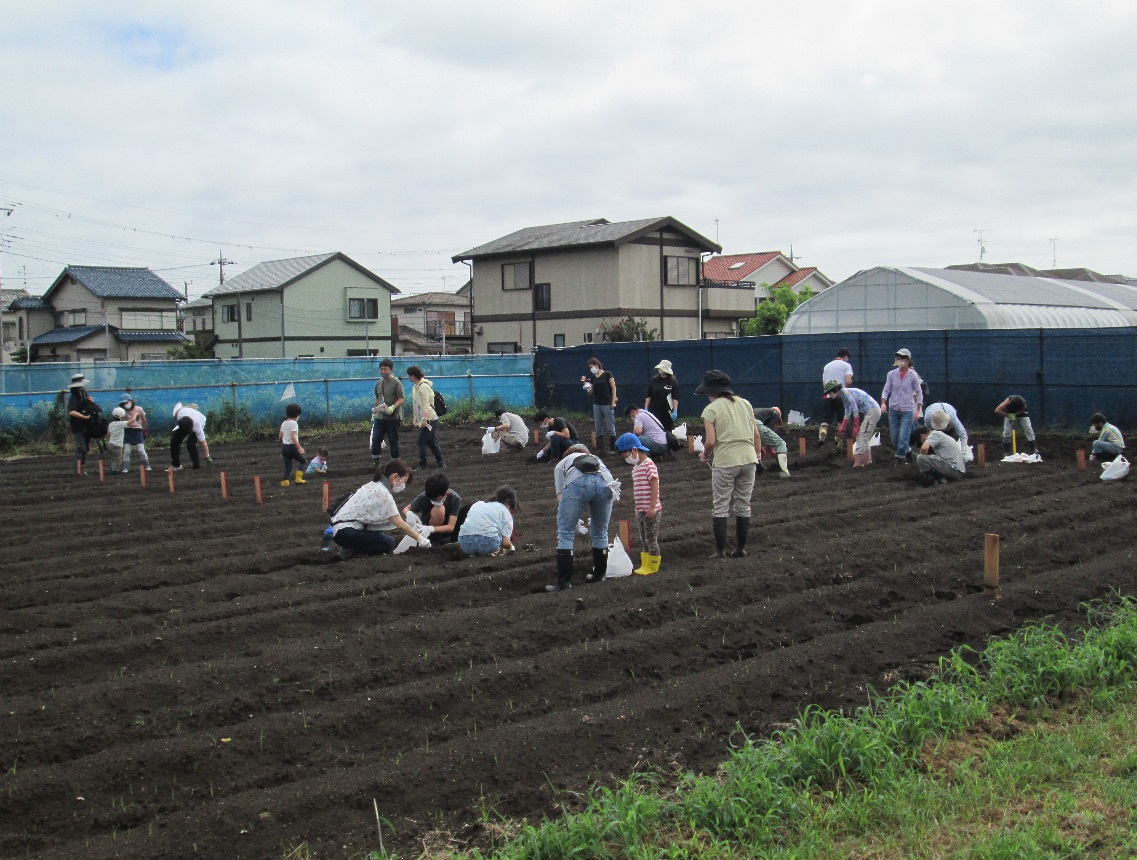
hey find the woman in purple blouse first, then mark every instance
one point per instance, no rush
(903, 400)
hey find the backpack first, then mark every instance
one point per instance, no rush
(439, 404)
(338, 503)
(97, 424)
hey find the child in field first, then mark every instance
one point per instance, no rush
(489, 524)
(135, 436)
(318, 465)
(116, 430)
(645, 490)
(290, 449)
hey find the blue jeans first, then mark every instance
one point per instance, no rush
(604, 420)
(479, 544)
(900, 430)
(588, 491)
(388, 427)
(1103, 450)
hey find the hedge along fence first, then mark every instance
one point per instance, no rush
(241, 398)
(1065, 374)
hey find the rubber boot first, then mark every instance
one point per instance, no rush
(645, 563)
(742, 532)
(599, 565)
(564, 571)
(784, 465)
(822, 433)
(1033, 446)
(719, 526)
(1006, 448)
(284, 483)
(299, 477)
(650, 564)
(612, 444)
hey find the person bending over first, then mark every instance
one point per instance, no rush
(488, 527)
(366, 523)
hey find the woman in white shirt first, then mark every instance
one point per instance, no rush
(489, 524)
(365, 523)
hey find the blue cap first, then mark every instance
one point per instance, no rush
(126, 398)
(630, 442)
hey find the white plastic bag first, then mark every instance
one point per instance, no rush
(619, 562)
(490, 445)
(875, 441)
(968, 452)
(583, 528)
(1116, 470)
(680, 432)
(796, 419)
(407, 542)
(697, 445)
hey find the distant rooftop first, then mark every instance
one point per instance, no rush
(115, 282)
(278, 274)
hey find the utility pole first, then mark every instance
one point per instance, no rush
(7, 210)
(221, 263)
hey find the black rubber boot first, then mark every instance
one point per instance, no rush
(599, 565)
(564, 571)
(1006, 448)
(719, 525)
(611, 447)
(1033, 446)
(742, 532)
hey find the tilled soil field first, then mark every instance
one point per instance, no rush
(185, 676)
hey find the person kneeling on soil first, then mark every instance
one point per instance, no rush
(940, 457)
(365, 523)
(488, 525)
(437, 506)
(510, 429)
(582, 481)
(645, 490)
(1109, 444)
(768, 418)
(1015, 417)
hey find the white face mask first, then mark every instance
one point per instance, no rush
(596, 371)
(439, 503)
(631, 459)
(397, 488)
(1094, 431)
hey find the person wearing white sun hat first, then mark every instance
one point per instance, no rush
(662, 399)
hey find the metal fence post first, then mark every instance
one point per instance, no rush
(470, 382)
(327, 404)
(234, 387)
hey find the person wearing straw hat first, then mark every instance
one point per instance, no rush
(80, 410)
(940, 458)
(731, 447)
(903, 401)
(662, 399)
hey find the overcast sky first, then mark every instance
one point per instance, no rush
(861, 133)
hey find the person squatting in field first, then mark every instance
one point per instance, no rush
(954, 424)
(769, 417)
(648, 429)
(488, 526)
(581, 480)
(731, 448)
(510, 429)
(365, 523)
(646, 494)
(1015, 417)
(940, 458)
(560, 436)
(1109, 443)
(437, 506)
(903, 401)
(863, 411)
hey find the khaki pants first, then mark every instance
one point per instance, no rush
(731, 487)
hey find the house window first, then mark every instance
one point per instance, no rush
(542, 297)
(682, 270)
(558, 341)
(517, 276)
(229, 313)
(363, 309)
(64, 319)
(248, 311)
(150, 320)
(587, 337)
(503, 347)
(359, 353)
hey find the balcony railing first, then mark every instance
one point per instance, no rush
(436, 328)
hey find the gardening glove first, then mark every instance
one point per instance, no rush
(390, 410)
(424, 543)
(1012, 416)
(857, 427)
(426, 531)
(374, 411)
(674, 414)
(841, 429)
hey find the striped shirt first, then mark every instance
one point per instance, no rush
(642, 475)
(1111, 435)
(857, 402)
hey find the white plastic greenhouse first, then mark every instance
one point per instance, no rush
(909, 299)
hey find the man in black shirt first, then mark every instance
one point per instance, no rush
(560, 435)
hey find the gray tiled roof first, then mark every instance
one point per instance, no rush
(114, 282)
(150, 336)
(66, 335)
(27, 303)
(595, 231)
(430, 299)
(277, 274)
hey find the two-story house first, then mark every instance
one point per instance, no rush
(765, 270)
(554, 285)
(432, 323)
(323, 306)
(103, 313)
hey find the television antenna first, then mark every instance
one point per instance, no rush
(982, 242)
(1054, 253)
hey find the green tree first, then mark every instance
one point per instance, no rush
(194, 349)
(770, 316)
(628, 329)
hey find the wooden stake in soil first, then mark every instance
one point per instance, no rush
(258, 491)
(326, 496)
(224, 486)
(170, 480)
(593, 438)
(103, 471)
(536, 436)
(625, 532)
(142, 477)
(849, 448)
(690, 444)
(78, 467)
(991, 567)
(801, 447)
(1080, 456)
(981, 454)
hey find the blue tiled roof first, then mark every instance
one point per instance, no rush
(150, 336)
(29, 303)
(114, 282)
(66, 335)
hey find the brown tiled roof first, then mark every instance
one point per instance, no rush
(430, 299)
(729, 268)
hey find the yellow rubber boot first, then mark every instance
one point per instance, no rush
(284, 483)
(645, 563)
(299, 477)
